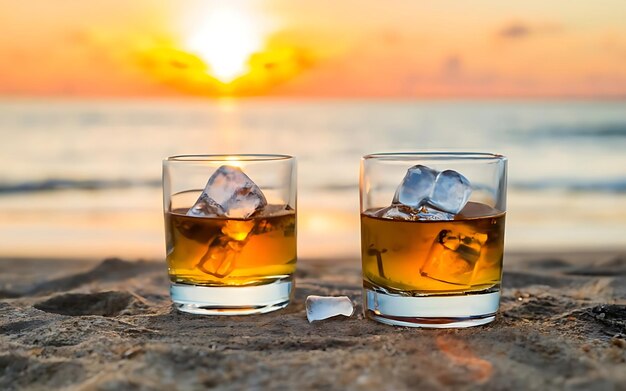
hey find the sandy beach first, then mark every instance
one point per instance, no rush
(109, 325)
(233, 138)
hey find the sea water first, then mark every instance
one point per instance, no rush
(82, 178)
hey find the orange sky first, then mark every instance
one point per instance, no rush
(323, 48)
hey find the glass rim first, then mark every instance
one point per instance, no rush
(241, 157)
(443, 156)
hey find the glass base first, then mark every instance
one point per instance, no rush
(444, 311)
(231, 300)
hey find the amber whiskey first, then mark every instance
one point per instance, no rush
(219, 251)
(433, 257)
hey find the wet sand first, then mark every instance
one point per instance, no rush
(109, 325)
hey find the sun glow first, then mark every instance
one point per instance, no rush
(225, 49)
(226, 40)
(235, 161)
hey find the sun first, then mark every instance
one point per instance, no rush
(226, 39)
(222, 48)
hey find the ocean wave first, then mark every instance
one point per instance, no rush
(607, 130)
(596, 186)
(74, 184)
(617, 185)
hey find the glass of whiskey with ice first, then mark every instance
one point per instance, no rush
(230, 230)
(432, 237)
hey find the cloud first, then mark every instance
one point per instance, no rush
(515, 30)
(452, 67)
(521, 30)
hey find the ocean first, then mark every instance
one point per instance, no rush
(82, 178)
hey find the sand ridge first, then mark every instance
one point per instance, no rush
(110, 325)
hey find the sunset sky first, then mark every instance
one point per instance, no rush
(365, 48)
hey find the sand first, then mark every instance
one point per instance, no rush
(109, 325)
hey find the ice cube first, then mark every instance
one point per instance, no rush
(324, 307)
(451, 192)
(205, 206)
(426, 213)
(406, 213)
(396, 212)
(219, 259)
(446, 191)
(416, 187)
(238, 229)
(231, 189)
(453, 257)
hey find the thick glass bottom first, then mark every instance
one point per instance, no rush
(443, 311)
(232, 300)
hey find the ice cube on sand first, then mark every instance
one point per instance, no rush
(324, 307)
